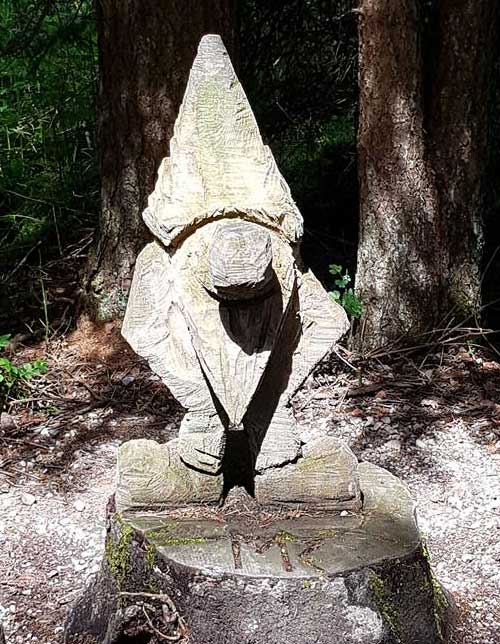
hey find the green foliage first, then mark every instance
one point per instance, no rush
(299, 61)
(344, 294)
(313, 157)
(48, 176)
(13, 378)
(4, 341)
(298, 65)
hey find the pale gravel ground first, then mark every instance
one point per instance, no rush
(50, 548)
(455, 481)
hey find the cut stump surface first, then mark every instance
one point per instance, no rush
(313, 578)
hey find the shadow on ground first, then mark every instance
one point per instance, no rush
(96, 391)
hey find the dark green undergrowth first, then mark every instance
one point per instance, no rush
(48, 174)
(48, 170)
(299, 69)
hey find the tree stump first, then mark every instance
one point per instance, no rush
(258, 578)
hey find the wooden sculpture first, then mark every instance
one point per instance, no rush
(220, 305)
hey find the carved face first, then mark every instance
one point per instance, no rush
(240, 260)
(233, 281)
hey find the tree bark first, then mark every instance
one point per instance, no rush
(458, 134)
(422, 152)
(399, 257)
(145, 53)
(326, 581)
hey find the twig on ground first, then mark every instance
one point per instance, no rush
(164, 598)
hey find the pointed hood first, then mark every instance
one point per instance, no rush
(218, 164)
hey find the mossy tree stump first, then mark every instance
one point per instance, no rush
(256, 578)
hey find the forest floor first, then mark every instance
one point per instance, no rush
(434, 423)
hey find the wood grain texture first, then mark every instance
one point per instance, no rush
(325, 477)
(218, 164)
(155, 327)
(332, 578)
(240, 260)
(150, 475)
(222, 312)
(314, 323)
(204, 348)
(146, 51)
(322, 323)
(232, 340)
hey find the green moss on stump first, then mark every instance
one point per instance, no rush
(382, 598)
(329, 533)
(283, 537)
(164, 537)
(312, 463)
(118, 553)
(150, 556)
(439, 599)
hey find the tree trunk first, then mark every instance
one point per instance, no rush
(457, 128)
(399, 273)
(422, 149)
(145, 52)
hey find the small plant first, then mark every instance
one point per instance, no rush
(344, 294)
(12, 377)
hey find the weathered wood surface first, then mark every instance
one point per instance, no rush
(150, 475)
(233, 340)
(240, 260)
(348, 579)
(191, 339)
(326, 476)
(313, 325)
(221, 308)
(218, 164)
(156, 329)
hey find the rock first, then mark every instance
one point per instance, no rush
(7, 423)
(79, 506)
(455, 502)
(394, 443)
(314, 579)
(27, 499)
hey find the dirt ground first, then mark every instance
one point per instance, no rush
(435, 423)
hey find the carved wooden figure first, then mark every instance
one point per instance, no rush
(224, 312)
(220, 305)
